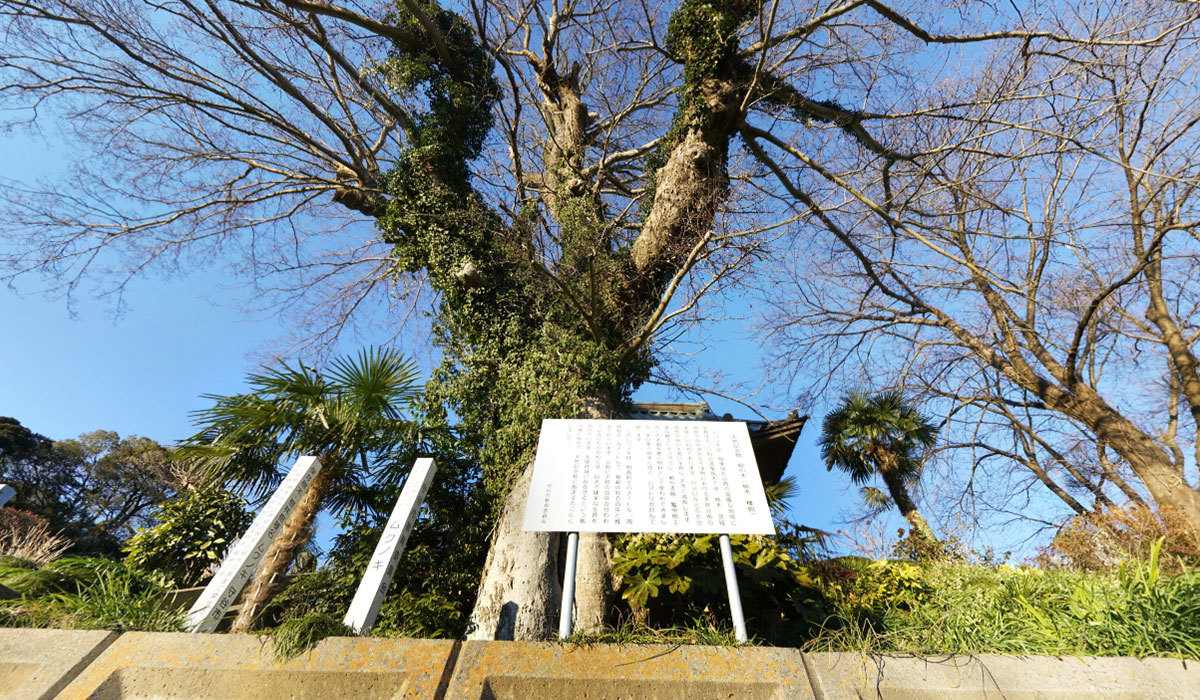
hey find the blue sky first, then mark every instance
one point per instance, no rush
(80, 367)
(70, 371)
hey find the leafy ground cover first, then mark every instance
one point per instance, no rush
(952, 607)
(84, 593)
(938, 606)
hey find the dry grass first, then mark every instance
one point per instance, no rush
(1103, 541)
(28, 536)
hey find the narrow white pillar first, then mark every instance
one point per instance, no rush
(243, 558)
(369, 596)
(731, 586)
(568, 596)
(6, 493)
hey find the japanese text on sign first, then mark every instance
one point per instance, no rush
(646, 476)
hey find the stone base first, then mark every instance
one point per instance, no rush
(233, 667)
(853, 676)
(70, 664)
(37, 664)
(535, 671)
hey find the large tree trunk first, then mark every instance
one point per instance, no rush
(297, 530)
(1163, 479)
(521, 588)
(520, 591)
(595, 587)
(1146, 457)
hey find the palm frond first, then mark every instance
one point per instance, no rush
(353, 410)
(863, 425)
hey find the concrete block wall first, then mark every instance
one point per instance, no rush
(76, 664)
(853, 676)
(38, 664)
(236, 667)
(533, 671)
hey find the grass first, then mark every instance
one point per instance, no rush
(943, 607)
(970, 609)
(629, 632)
(299, 634)
(85, 593)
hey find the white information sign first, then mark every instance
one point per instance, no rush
(646, 476)
(244, 556)
(6, 493)
(369, 596)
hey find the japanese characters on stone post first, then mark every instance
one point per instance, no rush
(646, 476)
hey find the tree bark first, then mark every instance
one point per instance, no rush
(297, 530)
(899, 493)
(520, 591)
(595, 587)
(1147, 459)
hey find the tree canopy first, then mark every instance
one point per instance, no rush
(97, 489)
(563, 187)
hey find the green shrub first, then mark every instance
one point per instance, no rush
(327, 591)
(669, 580)
(193, 534)
(959, 608)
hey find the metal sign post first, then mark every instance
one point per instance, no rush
(6, 493)
(568, 596)
(731, 586)
(243, 558)
(371, 591)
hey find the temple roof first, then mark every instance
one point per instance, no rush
(773, 441)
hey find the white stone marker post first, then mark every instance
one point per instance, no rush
(369, 596)
(245, 555)
(6, 493)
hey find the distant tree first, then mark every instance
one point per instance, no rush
(97, 489)
(880, 434)
(119, 480)
(1038, 283)
(18, 442)
(351, 417)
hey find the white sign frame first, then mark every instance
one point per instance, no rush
(6, 494)
(246, 554)
(633, 470)
(378, 577)
(679, 477)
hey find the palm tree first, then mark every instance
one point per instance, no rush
(351, 417)
(880, 434)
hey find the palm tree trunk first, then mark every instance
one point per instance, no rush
(297, 530)
(899, 492)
